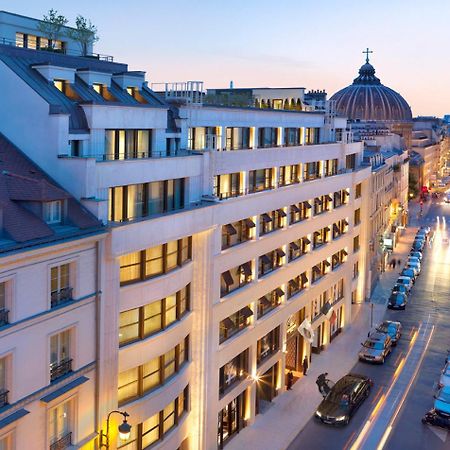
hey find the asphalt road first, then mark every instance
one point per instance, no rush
(400, 398)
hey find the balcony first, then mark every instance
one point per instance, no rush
(131, 156)
(58, 370)
(62, 51)
(3, 397)
(60, 297)
(62, 443)
(4, 320)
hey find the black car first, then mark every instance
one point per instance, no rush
(344, 399)
(437, 418)
(397, 300)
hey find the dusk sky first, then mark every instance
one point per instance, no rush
(314, 44)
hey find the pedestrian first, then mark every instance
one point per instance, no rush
(394, 262)
(399, 262)
(290, 380)
(305, 365)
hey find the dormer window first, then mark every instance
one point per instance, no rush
(53, 212)
(65, 88)
(135, 93)
(60, 85)
(102, 90)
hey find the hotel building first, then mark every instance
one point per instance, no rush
(227, 228)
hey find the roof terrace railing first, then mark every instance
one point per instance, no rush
(99, 56)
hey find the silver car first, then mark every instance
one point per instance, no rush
(376, 348)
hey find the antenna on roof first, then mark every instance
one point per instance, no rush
(231, 84)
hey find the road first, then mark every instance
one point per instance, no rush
(403, 388)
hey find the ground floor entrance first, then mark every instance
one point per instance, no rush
(266, 388)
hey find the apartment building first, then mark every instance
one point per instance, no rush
(50, 250)
(228, 228)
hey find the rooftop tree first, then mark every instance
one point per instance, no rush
(85, 33)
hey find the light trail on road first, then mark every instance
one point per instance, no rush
(369, 425)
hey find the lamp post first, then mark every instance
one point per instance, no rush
(124, 429)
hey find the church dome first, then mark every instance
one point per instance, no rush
(367, 99)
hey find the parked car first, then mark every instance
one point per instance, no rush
(399, 288)
(344, 399)
(444, 380)
(417, 254)
(425, 228)
(393, 329)
(405, 281)
(437, 418)
(442, 400)
(376, 348)
(415, 266)
(397, 300)
(418, 245)
(414, 259)
(408, 270)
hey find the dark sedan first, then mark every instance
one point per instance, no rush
(344, 399)
(397, 300)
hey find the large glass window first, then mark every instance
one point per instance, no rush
(299, 212)
(321, 237)
(236, 278)
(270, 261)
(238, 138)
(268, 345)
(139, 381)
(127, 144)
(60, 360)
(60, 289)
(311, 171)
(155, 428)
(269, 301)
(268, 137)
(236, 233)
(4, 319)
(145, 199)
(271, 221)
(288, 175)
(154, 261)
(61, 421)
(231, 420)
(292, 136)
(297, 284)
(139, 323)
(228, 185)
(298, 248)
(235, 323)
(260, 180)
(233, 371)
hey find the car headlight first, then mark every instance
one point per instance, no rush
(340, 418)
(318, 414)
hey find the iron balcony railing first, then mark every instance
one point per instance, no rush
(62, 443)
(57, 370)
(64, 51)
(4, 397)
(60, 297)
(4, 320)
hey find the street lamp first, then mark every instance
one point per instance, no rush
(124, 429)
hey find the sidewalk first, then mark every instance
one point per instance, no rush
(291, 410)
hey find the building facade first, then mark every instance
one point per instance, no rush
(228, 228)
(50, 250)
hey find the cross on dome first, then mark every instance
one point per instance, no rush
(367, 51)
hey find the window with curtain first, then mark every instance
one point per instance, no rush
(156, 427)
(139, 381)
(155, 261)
(140, 323)
(145, 200)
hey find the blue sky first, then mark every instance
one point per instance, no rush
(316, 44)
